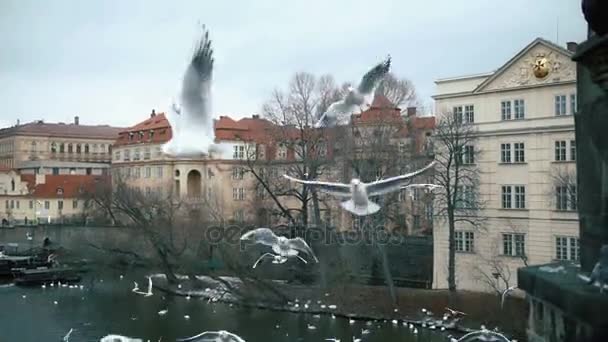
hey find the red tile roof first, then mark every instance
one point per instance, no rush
(382, 102)
(39, 128)
(72, 186)
(157, 123)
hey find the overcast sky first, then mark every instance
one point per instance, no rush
(112, 61)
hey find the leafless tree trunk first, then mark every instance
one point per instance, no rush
(455, 151)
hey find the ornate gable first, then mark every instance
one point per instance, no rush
(540, 63)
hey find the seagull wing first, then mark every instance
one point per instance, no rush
(373, 77)
(300, 245)
(336, 189)
(392, 184)
(149, 284)
(264, 236)
(204, 336)
(335, 113)
(196, 86)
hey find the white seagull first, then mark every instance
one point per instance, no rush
(282, 247)
(119, 338)
(358, 192)
(145, 294)
(29, 236)
(600, 270)
(355, 98)
(504, 295)
(216, 336)
(66, 338)
(193, 132)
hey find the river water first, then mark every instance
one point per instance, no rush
(106, 305)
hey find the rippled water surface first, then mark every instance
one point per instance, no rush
(106, 305)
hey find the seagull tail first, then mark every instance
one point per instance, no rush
(371, 208)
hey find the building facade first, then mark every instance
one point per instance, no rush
(523, 119)
(57, 148)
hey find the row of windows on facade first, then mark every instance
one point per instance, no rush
(138, 153)
(514, 197)
(141, 134)
(77, 148)
(15, 204)
(239, 152)
(516, 109)
(514, 244)
(7, 147)
(138, 172)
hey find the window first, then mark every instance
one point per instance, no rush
(53, 147)
(428, 211)
(260, 192)
(560, 105)
(146, 153)
(12, 204)
(416, 221)
(239, 215)
(102, 148)
(465, 241)
(148, 172)
(238, 152)
(59, 191)
(94, 148)
(416, 194)
(282, 152)
(567, 248)
(401, 195)
(17, 204)
(572, 149)
(513, 244)
(261, 152)
(78, 148)
(560, 150)
(47, 205)
(519, 109)
(566, 197)
(468, 155)
(136, 154)
(60, 205)
(31, 204)
(159, 172)
(237, 173)
(238, 194)
(505, 153)
(151, 134)
(159, 151)
(469, 114)
(137, 172)
(33, 147)
(457, 111)
(6, 203)
(117, 155)
(572, 104)
(505, 110)
(55, 171)
(519, 151)
(465, 196)
(74, 204)
(520, 197)
(86, 148)
(61, 148)
(506, 196)
(70, 149)
(128, 172)
(127, 155)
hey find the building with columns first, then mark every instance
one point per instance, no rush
(523, 117)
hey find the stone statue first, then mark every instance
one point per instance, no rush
(600, 271)
(596, 14)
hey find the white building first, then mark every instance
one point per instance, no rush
(523, 113)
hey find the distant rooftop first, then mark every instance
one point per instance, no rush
(63, 130)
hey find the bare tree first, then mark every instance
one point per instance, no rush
(563, 192)
(458, 203)
(400, 91)
(298, 149)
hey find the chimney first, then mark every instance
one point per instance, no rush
(411, 111)
(255, 116)
(18, 122)
(571, 46)
(153, 114)
(76, 120)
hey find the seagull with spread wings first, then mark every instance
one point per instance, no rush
(213, 336)
(145, 294)
(357, 192)
(191, 121)
(282, 247)
(355, 98)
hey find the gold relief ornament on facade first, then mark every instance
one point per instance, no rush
(541, 66)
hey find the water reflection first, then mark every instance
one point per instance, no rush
(106, 305)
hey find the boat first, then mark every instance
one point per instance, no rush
(10, 262)
(29, 277)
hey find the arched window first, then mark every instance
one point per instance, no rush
(12, 185)
(70, 148)
(53, 147)
(78, 148)
(86, 148)
(61, 148)
(33, 146)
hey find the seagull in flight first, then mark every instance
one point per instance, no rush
(426, 187)
(504, 295)
(282, 247)
(357, 192)
(66, 338)
(213, 336)
(145, 294)
(191, 121)
(355, 98)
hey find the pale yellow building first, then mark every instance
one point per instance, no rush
(523, 114)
